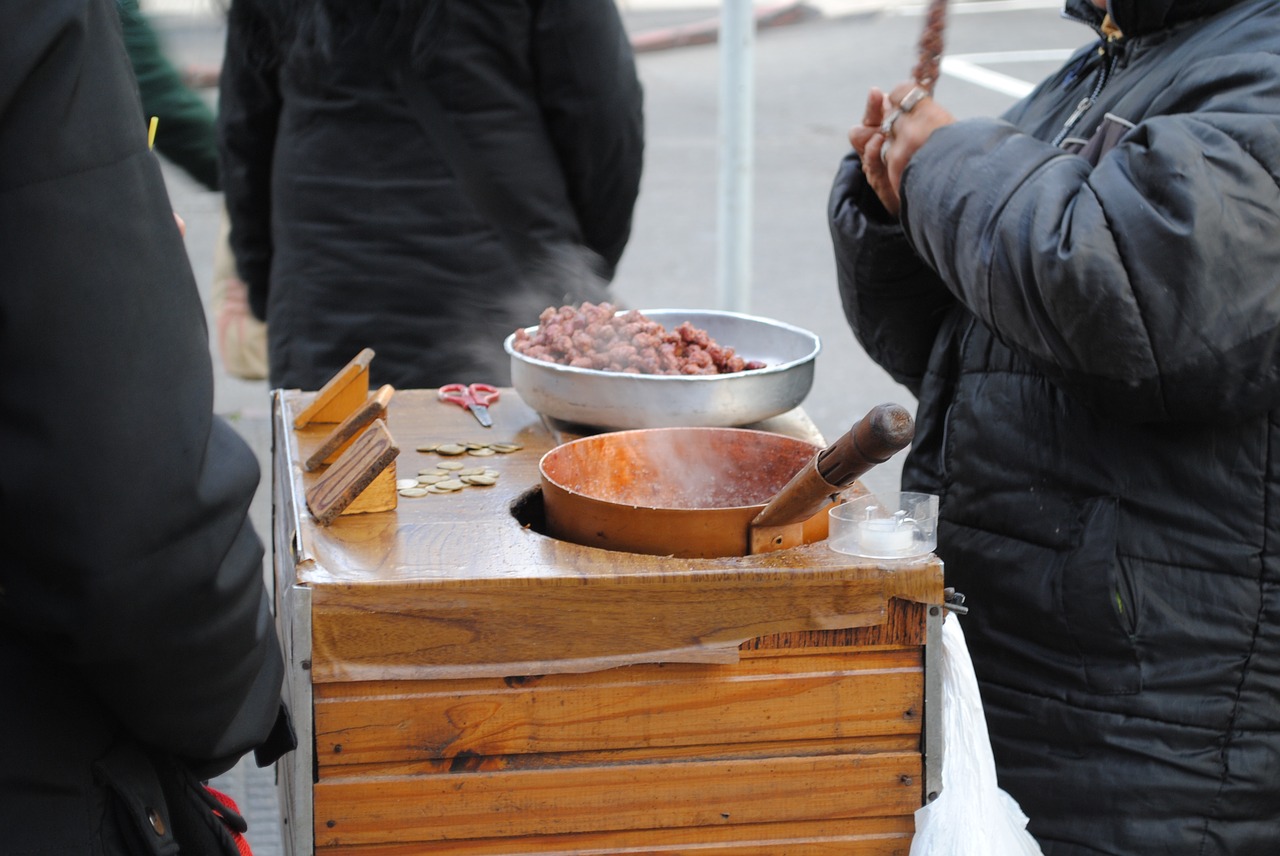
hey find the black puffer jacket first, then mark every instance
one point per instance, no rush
(135, 633)
(1094, 339)
(348, 223)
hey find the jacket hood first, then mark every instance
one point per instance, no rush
(1139, 17)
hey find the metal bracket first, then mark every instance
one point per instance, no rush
(954, 601)
(932, 744)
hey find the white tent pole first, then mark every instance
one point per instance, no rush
(737, 120)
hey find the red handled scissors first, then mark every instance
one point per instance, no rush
(475, 397)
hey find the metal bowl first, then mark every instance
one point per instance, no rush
(604, 399)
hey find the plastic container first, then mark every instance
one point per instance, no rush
(887, 526)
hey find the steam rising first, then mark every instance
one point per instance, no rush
(679, 468)
(563, 274)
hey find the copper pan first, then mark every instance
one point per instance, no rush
(708, 492)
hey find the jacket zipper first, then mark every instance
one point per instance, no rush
(1104, 75)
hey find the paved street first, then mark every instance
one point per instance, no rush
(811, 80)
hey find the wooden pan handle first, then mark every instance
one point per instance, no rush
(875, 438)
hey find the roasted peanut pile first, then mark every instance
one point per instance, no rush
(596, 336)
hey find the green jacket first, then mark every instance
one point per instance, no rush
(186, 133)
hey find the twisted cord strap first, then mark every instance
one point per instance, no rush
(929, 65)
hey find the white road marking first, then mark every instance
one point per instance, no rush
(972, 68)
(984, 7)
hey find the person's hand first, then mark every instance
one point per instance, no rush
(867, 140)
(893, 128)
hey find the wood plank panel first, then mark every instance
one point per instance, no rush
(881, 836)
(498, 629)
(470, 763)
(614, 797)
(824, 695)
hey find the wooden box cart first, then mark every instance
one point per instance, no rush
(463, 684)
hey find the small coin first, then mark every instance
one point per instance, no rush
(414, 491)
(435, 488)
(403, 484)
(450, 449)
(449, 484)
(469, 446)
(471, 471)
(449, 465)
(505, 448)
(430, 447)
(482, 453)
(432, 478)
(480, 480)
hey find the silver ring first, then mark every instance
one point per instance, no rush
(914, 97)
(886, 127)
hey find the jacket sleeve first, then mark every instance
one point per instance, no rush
(593, 105)
(894, 303)
(1145, 285)
(123, 500)
(248, 118)
(185, 134)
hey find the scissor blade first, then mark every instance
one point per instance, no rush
(482, 415)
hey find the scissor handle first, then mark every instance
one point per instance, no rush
(455, 392)
(483, 393)
(463, 394)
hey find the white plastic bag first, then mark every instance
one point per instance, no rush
(972, 816)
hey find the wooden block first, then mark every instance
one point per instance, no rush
(380, 495)
(357, 470)
(341, 438)
(344, 392)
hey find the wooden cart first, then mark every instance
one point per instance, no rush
(463, 684)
